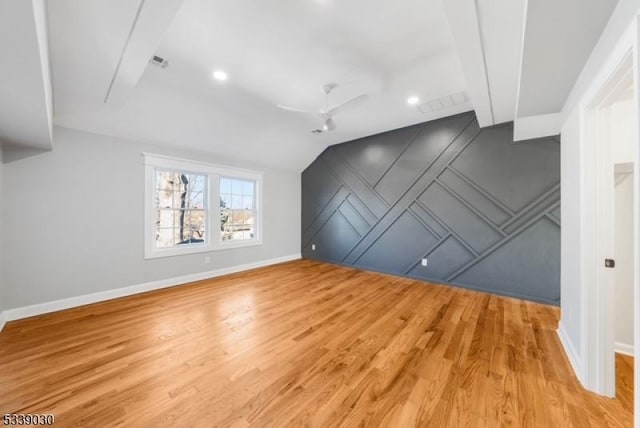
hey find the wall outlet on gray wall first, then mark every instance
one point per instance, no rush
(207, 260)
(313, 247)
(424, 262)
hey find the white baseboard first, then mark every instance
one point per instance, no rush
(87, 299)
(570, 350)
(624, 348)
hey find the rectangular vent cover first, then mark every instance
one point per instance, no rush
(443, 103)
(159, 61)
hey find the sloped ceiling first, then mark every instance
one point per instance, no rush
(521, 58)
(274, 51)
(509, 60)
(25, 82)
(558, 39)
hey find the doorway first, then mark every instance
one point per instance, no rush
(623, 289)
(611, 275)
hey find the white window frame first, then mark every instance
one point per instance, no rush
(213, 238)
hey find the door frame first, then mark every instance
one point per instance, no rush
(597, 310)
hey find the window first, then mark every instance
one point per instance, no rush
(237, 209)
(179, 218)
(180, 214)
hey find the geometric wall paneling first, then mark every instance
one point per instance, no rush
(335, 238)
(373, 156)
(462, 219)
(320, 188)
(555, 214)
(475, 196)
(407, 229)
(545, 203)
(353, 181)
(428, 220)
(362, 209)
(409, 195)
(357, 221)
(327, 212)
(526, 169)
(534, 253)
(418, 156)
(445, 259)
(482, 209)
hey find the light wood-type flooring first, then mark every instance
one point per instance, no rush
(302, 344)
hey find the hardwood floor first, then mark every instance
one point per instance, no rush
(624, 382)
(302, 343)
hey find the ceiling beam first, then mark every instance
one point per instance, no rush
(26, 98)
(467, 37)
(150, 23)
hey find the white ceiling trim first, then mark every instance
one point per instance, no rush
(25, 77)
(521, 61)
(467, 35)
(501, 23)
(149, 25)
(42, 32)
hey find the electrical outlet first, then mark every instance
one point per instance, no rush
(424, 262)
(313, 247)
(207, 260)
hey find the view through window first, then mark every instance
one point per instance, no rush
(180, 208)
(237, 209)
(195, 207)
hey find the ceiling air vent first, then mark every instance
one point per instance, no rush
(159, 61)
(443, 103)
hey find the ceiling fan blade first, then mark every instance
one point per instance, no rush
(329, 124)
(347, 104)
(298, 110)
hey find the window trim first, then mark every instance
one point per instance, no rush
(213, 241)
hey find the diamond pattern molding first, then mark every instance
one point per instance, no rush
(483, 210)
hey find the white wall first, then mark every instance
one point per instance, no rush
(73, 220)
(624, 262)
(571, 171)
(573, 322)
(622, 131)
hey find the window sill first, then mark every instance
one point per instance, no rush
(177, 251)
(227, 245)
(173, 252)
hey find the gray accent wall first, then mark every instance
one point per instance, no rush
(483, 210)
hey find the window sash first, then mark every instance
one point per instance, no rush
(231, 227)
(175, 192)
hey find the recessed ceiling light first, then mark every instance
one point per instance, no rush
(413, 100)
(220, 75)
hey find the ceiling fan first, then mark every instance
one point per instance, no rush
(326, 113)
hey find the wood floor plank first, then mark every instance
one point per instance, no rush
(302, 344)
